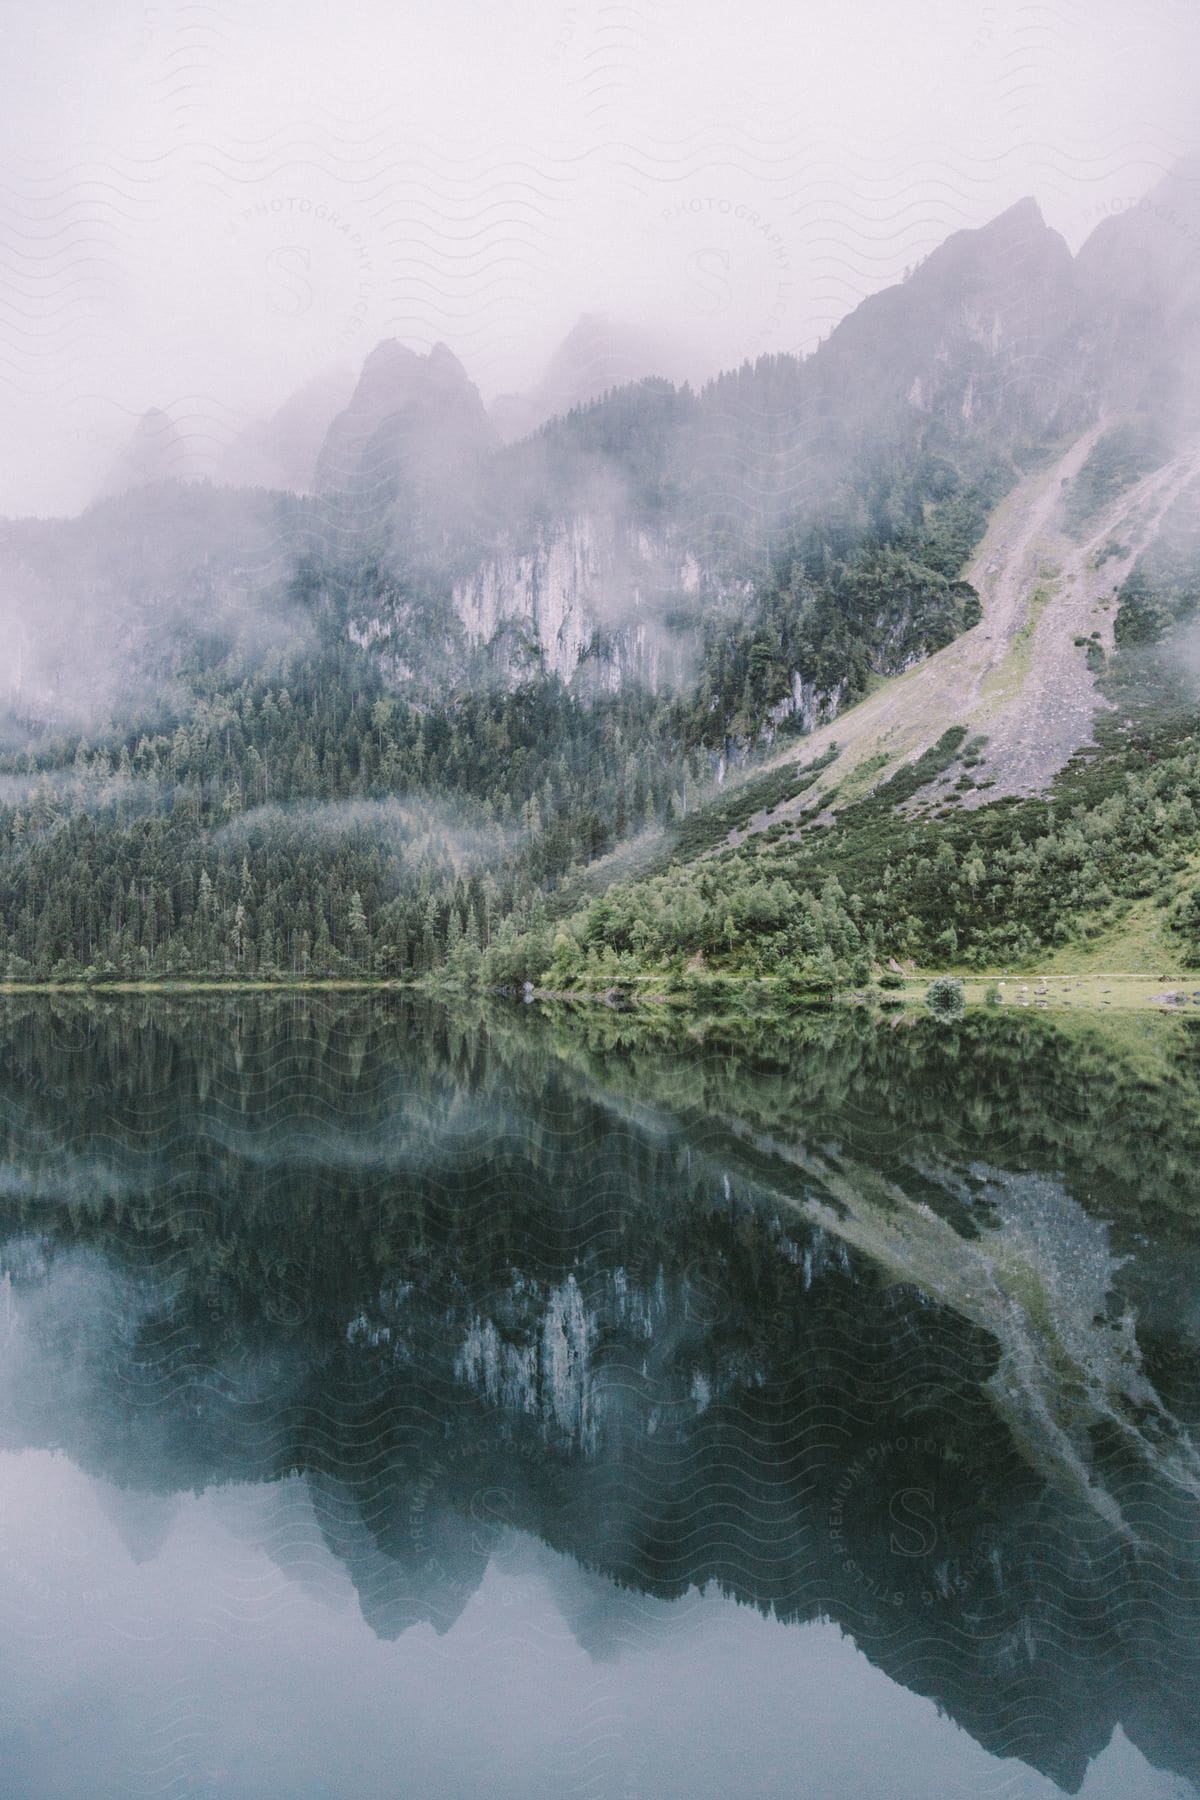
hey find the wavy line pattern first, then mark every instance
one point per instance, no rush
(227, 239)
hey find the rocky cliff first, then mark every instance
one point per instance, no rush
(594, 597)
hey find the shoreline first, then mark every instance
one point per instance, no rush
(1174, 993)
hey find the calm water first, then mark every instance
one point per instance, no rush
(392, 1405)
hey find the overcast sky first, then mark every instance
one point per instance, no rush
(203, 204)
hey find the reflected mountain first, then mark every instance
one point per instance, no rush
(892, 1325)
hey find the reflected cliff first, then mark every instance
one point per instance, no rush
(895, 1326)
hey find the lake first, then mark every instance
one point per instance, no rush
(397, 1402)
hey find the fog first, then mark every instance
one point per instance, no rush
(416, 824)
(205, 206)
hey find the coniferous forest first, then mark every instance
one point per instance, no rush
(495, 713)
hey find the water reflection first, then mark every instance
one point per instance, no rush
(535, 1350)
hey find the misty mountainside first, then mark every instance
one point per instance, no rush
(601, 546)
(613, 542)
(597, 354)
(281, 451)
(103, 612)
(610, 536)
(383, 713)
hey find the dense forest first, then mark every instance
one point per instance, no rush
(990, 888)
(302, 816)
(325, 733)
(306, 820)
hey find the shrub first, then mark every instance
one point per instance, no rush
(945, 998)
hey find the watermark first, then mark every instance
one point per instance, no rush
(1146, 207)
(568, 27)
(723, 256)
(895, 1522)
(479, 1483)
(985, 29)
(313, 265)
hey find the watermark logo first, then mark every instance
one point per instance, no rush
(896, 1523)
(722, 258)
(314, 266)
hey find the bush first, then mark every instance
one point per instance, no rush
(992, 996)
(945, 998)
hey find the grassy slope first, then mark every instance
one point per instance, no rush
(1017, 677)
(1014, 675)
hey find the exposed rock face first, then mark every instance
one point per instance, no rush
(551, 592)
(591, 590)
(808, 704)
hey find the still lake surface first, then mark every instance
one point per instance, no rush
(394, 1403)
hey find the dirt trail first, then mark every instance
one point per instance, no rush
(1017, 678)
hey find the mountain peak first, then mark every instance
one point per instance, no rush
(1019, 231)
(406, 408)
(1022, 212)
(974, 339)
(153, 452)
(442, 357)
(597, 353)
(389, 353)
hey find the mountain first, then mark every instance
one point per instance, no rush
(598, 547)
(944, 548)
(602, 547)
(1139, 276)
(597, 354)
(155, 452)
(982, 339)
(281, 451)
(650, 507)
(414, 423)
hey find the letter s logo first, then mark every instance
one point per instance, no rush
(286, 267)
(709, 269)
(912, 1510)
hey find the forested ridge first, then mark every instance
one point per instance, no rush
(825, 903)
(305, 816)
(306, 820)
(327, 734)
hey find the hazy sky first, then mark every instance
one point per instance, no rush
(203, 204)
